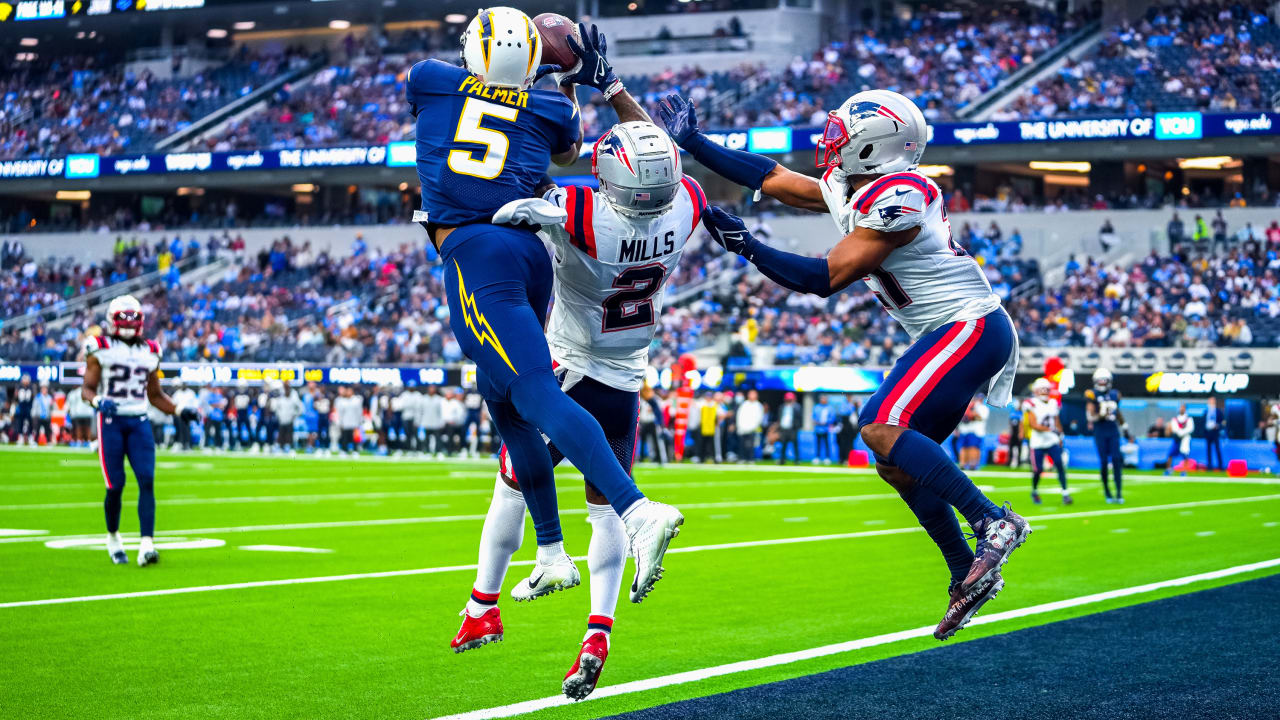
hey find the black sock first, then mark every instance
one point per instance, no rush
(112, 505)
(939, 520)
(146, 509)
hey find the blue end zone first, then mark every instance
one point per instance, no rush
(1207, 654)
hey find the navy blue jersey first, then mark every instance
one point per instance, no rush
(481, 147)
(1108, 409)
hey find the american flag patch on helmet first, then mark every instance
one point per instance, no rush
(642, 196)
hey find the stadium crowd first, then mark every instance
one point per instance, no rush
(1208, 56)
(286, 302)
(290, 302)
(97, 104)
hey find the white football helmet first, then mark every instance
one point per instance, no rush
(502, 48)
(124, 317)
(1041, 388)
(875, 132)
(1102, 379)
(638, 167)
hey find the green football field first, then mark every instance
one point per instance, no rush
(330, 588)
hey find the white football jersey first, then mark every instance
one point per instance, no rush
(1043, 412)
(611, 276)
(126, 366)
(929, 282)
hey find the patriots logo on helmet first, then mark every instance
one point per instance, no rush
(612, 145)
(868, 109)
(893, 212)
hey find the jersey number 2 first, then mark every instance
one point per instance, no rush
(632, 306)
(495, 142)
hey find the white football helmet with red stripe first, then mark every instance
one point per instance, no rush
(638, 168)
(875, 132)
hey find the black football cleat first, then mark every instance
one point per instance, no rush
(997, 539)
(964, 605)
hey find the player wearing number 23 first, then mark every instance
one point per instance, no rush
(484, 139)
(121, 380)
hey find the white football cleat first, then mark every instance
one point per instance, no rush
(650, 529)
(558, 574)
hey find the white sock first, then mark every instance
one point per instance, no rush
(632, 508)
(606, 560)
(114, 543)
(147, 545)
(547, 553)
(499, 540)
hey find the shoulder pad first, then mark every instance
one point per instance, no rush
(579, 202)
(895, 202)
(697, 198)
(153, 346)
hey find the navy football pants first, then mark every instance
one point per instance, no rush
(128, 436)
(1109, 456)
(499, 282)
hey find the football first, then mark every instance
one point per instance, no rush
(555, 30)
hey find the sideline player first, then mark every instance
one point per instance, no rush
(1046, 437)
(126, 368)
(895, 236)
(613, 256)
(484, 140)
(1102, 407)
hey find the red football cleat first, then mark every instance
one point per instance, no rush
(585, 673)
(478, 631)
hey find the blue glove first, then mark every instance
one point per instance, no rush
(679, 117)
(596, 71)
(795, 272)
(743, 168)
(727, 230)
(545, 70)
(107, 407)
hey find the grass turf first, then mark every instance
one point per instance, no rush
(378, 647)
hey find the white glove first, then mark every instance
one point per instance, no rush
(530, 211)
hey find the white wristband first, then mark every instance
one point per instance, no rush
(614, 88)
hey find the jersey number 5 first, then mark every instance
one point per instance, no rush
(632, 306)
(495, 142)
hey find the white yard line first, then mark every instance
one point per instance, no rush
(1126, 510)
(453, 568)
(789, 658)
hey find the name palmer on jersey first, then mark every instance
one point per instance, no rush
(611, 272)
(929, 282)
(126, 367)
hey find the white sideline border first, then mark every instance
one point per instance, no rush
(682, 678)
(514, 563)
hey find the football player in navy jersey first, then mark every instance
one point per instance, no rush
(484, 139)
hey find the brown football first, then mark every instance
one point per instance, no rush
(555, 30)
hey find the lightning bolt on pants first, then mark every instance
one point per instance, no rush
(499, 283)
